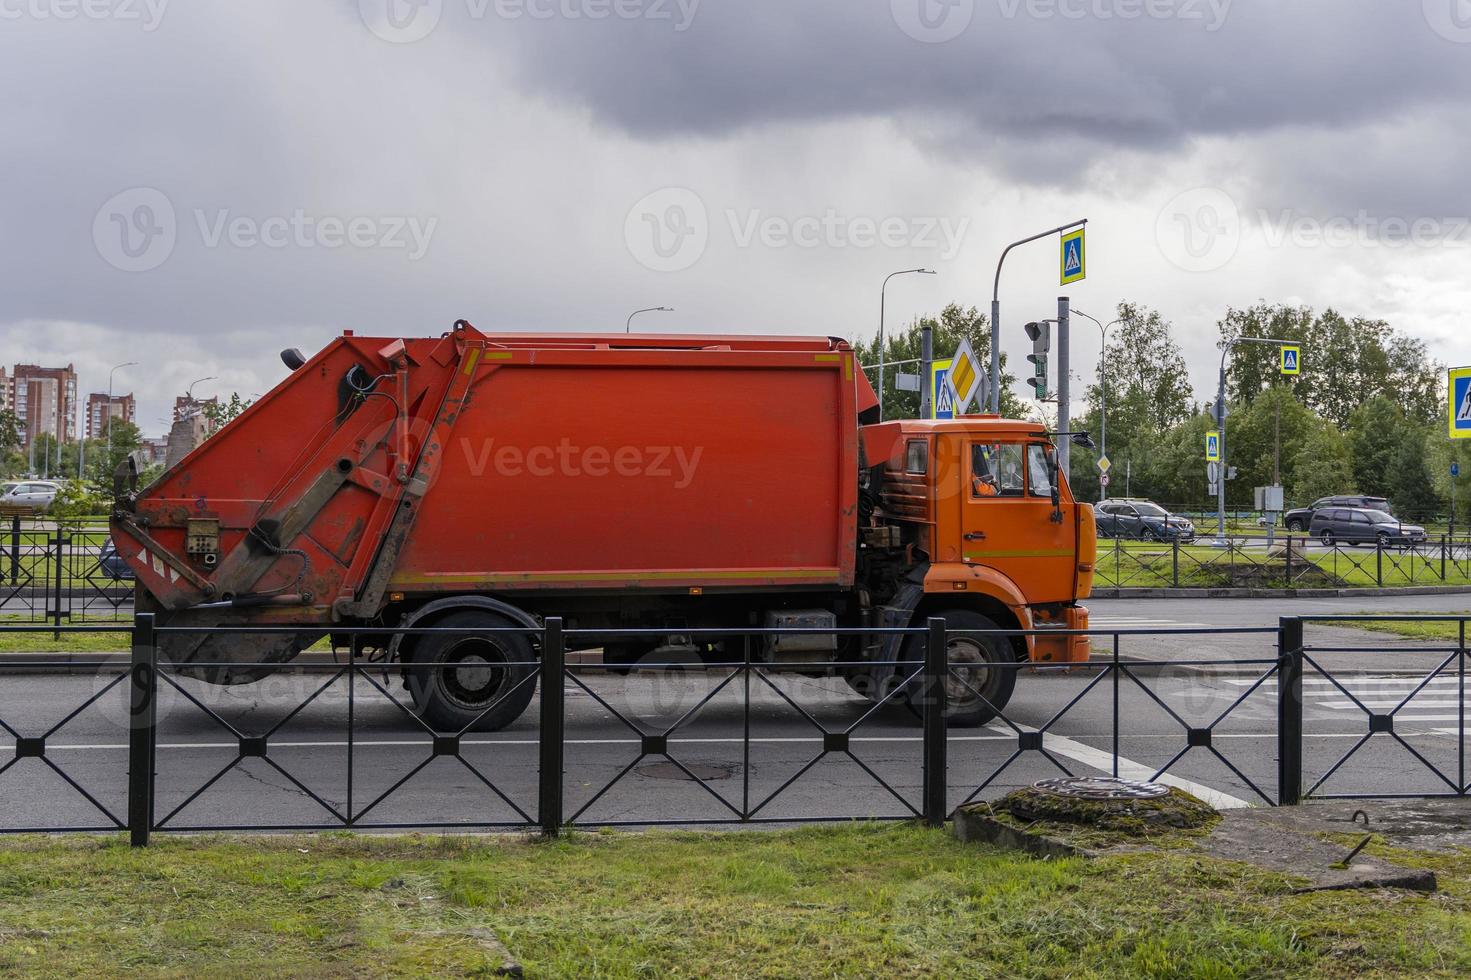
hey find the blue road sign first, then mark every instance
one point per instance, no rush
(1460, 403)
(1292, 360)
(1213, 447)
(1074, 257)
(1455, 469)
(942, 399)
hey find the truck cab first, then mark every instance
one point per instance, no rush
(992, 539)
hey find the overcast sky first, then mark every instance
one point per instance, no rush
(195, 185)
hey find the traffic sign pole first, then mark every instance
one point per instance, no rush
(1221, 540)
(996, 308)
(1065, 445)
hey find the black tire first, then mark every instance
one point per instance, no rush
(1384, 542)
(457, 699)
(1295, 526)
(1326, 539)
(966, 710)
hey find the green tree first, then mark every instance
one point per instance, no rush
(1262, 439)
(953, 324)
(1375, 430)
(1148, 395)
(1411, 487)
(1345, 362)
(221, 415)
(1321, 466)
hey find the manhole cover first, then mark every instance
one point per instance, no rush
(1100, 788)
(703, 770)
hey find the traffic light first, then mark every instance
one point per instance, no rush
(1040, 334)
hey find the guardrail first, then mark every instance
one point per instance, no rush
(1286, 561)
(59, 572)
(746, 740)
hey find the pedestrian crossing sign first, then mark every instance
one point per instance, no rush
(1213, 447)
(1460, 402)
(1074, 256)
(1292, 360)
(942, 400)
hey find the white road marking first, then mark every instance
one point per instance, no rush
(1137, 622)
(1377, 693)
(1129, 769)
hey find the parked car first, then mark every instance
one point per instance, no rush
(34, 495)
(1363, 525)
(1140, 519)
(1300, 518)
(112, 564)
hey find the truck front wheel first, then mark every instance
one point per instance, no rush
(483, 685)
(975, 691)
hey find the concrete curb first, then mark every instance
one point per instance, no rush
(1224, 593)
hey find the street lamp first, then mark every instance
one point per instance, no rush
(628, 325)
(110, 373)
(883, 355)
(1103, 389)
(1225, 470)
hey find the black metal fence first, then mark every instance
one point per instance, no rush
(1286, 561)
(60, 572)
(742, 740)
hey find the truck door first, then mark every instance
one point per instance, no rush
(1007, 520)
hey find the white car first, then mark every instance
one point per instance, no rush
(34, 495)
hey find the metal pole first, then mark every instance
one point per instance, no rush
(1221, 446)
(1103, 392)
(553, 670)
(142, 718)
(628, 324)
(883, 353)
(996, 309)
(1289, 711)
(935, 671)
(1064, 388)
(927, 370)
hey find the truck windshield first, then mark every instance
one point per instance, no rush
(996, 470)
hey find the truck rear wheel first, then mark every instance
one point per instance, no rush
(975, 694)
(481, 691)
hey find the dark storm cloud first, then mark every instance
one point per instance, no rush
(1105, 73)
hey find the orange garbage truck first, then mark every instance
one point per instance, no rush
(678, 483)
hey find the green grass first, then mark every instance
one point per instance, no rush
(1438, 631)
(851, 901)
(1141, 564)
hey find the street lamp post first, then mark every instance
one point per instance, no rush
(1225, 469)
(628, 324)
(883, 356)
(1103, 392)
(996, 309)
(110, 373)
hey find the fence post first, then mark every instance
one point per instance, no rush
(15, 550)
(1289, 711)
(553, 697)
(55, 613)
(1176, 571)
(142, 719)
(936, 669)
(1442, 558)
(1379, 561)
(1288, 583)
